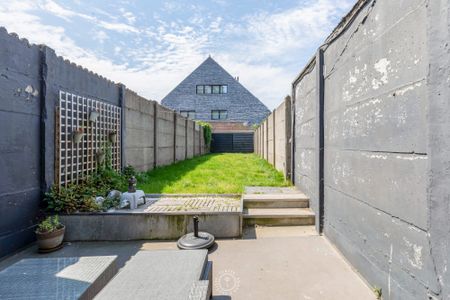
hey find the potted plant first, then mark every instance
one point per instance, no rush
(94, 115)
(50, 234)
(77, 135)
(112, 136)
(100, 156)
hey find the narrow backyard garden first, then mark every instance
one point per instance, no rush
(225, 173)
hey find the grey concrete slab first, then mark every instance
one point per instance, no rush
(160, 274)
(57, 278)
(273, 263)
(270, 190)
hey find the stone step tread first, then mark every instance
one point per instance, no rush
(277, 213)
(274, 197)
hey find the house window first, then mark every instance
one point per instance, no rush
(212, 89)
(216, 89)
(200, 89)
(219, 115)
(190, 114)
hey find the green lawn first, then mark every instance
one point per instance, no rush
(212, 173)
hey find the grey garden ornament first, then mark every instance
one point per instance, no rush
(196, 240)
(133, 197)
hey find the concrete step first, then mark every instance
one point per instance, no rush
(298, 200)
(278, 216)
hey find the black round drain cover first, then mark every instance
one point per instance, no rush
(190, 241)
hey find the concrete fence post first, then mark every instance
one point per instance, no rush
(193, 139)
(45, 179)
(274, 138)
(261, 140)
(267, 140)
(287, 130)
(155, 134)
(122, 105)
(174, 137)
(320, 139)
(185, 138)
(199, 140)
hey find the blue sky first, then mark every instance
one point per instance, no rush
(150, 46)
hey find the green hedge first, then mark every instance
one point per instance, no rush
(207, 132)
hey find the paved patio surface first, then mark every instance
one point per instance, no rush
(268, 263)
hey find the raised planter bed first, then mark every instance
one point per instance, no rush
(220, 216)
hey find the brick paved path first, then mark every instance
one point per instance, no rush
(193, 204)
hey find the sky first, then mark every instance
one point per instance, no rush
(151, 46)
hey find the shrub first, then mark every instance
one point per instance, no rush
(50, 224)
(81, 196)
(207, 132)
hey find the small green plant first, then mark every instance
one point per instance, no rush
(50, 224)
(81, 196)
(207, 132)
(378, 292)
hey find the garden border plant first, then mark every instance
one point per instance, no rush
(81, 196)
(207, 132)
(50, 233)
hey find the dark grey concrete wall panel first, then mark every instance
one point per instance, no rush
(438, 27)
(30, 80)
(20, 190)
(305, 135)
(387, 242)
(64, 75)
(386, 144)
(387, 181)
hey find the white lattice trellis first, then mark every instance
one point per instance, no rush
(76, 160)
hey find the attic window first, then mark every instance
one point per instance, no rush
(190, 114)
(212, 89)
(219, 115)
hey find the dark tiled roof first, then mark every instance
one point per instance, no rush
(239, 102)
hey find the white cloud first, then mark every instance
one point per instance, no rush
(268, 35)
(263, 49)
(100, 36)
(129, 16)
(118, 27)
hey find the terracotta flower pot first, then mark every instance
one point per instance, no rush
(77, 136)
(112, 136)
(50, 240)
(100, 157)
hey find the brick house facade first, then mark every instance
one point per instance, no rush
(211, 94)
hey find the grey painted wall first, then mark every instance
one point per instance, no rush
(386, 144)
(375, 148)
(170, 140)
(438, 150)
(30, 80)
(276, 141)
(239, 102)
(305, 136)
(20, 169)
(384, 97)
